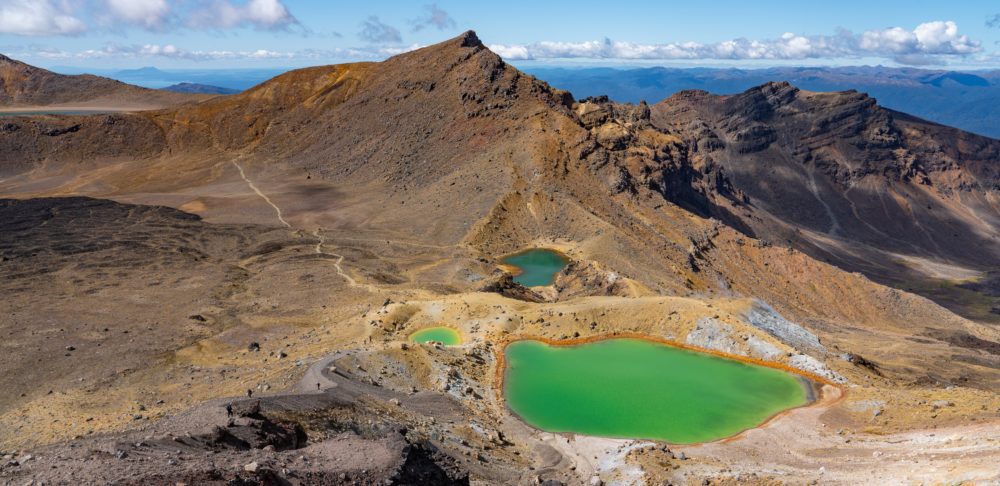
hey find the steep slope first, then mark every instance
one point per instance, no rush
(418, 127)
(845, 180)
(25, 85)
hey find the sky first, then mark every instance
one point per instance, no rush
(206, 34)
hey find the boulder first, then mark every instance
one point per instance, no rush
(612, 136)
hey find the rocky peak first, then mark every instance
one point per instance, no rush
(688, 95)
(595, 111)
(776, 86)
(469, 39)
(758, 103)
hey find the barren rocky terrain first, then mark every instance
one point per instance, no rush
(158, 265)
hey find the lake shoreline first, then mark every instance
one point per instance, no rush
(516, 271)
(819, 390)
(453, 336)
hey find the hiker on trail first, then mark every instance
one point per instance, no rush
(317, 385)
(249, 393)
(229, 409)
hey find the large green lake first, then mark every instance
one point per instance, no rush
(443, 335)
(631, 388)
(538, 266)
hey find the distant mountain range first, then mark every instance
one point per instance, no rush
(965, 100)
(235, 80)
(199, 88)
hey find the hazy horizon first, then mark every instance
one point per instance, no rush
(267, 33)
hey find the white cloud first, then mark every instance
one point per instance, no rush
(38, 18)
(151, 14)
(942, 38)
(375, 32)
(58, 17)
(170, 51)
(927, 42)
(261, 14)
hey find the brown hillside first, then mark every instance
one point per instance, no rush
(23, 85)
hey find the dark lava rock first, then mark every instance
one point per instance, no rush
(506, 286)
(257, 434)
(55, 132)
(247, 408)
(858, 360)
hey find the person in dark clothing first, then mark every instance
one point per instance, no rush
(229, 409)
(317, 386)
(249, 393)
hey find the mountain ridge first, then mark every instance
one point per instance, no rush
(708, 153)
(953, 98)
(24, 85)
(847, 176)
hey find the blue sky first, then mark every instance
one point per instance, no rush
(103, 34)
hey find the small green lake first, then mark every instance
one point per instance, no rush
(538, 266)
(631, 388)
(441, 334)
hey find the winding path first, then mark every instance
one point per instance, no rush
(340, 258)
(261, 194)
(317, 233)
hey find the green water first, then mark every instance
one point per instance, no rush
(637, 389)
(538, 266)
(443, 335)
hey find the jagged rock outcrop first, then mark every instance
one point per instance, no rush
(838, 166)
(507, 287)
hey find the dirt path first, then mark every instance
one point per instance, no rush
(318, 233)
(261, 194)
(401, 243)
(314, 375)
